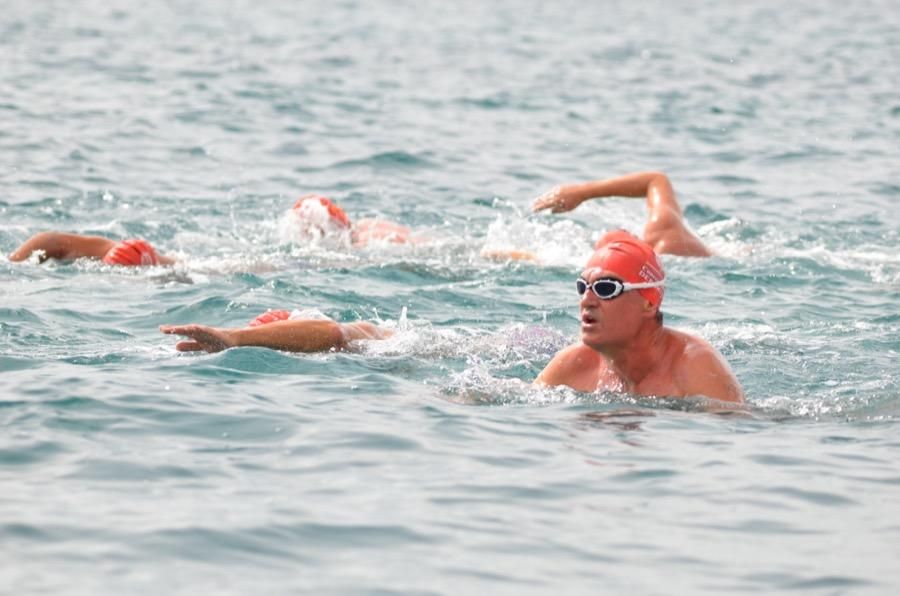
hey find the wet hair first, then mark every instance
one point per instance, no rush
(659, 316)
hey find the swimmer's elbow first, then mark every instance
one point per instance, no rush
(46, 244)
(350, 332)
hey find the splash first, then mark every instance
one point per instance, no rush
(312, 226)
(561, 243)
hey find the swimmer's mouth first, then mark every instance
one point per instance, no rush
(587, 319)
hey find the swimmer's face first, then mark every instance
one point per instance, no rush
(607, 323)
(316, 218)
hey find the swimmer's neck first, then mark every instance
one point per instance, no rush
(642, 355)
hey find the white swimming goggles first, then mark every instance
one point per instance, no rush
(607, 288)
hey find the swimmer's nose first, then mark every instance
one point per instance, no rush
(588, 298)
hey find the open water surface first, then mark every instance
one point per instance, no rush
(426, 464)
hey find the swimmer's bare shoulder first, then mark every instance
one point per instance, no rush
(577, 366)
(700, 370)
(373, 230)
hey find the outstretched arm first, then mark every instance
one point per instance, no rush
(665, 229)
(59, 245)
(304, 335)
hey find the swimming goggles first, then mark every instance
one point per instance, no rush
(607, 288)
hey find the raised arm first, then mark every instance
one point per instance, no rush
(59, 245)
(304, 335)
(665, 229)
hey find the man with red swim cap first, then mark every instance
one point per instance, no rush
(318, 217)
(315, 217)
(67, 247)
(624, 345)
(665, 230)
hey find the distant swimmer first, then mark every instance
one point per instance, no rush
(313, 216)
(68, 247)
(316, 217)
(297, 331)
(624, 345)
(665, 230)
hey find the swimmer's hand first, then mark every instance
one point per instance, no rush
(559, 199)
(501, 254)
(202, 338)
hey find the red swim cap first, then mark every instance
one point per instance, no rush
(270, 316)
(336, 214)
(613, 235)
(630, 258)
(131, 253)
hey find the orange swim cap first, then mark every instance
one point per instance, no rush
(131, 253)
(335, 213)
(270, 316)
(630, 258)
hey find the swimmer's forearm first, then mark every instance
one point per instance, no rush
(654, 186)
(292, 336)
(636, 185)
(305, 335)
(59, 245)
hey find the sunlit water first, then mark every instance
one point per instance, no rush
(426, 464)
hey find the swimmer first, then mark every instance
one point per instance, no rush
(665, 231)
(624, 345)
(298, 331)
(68, 247)
(316, 217)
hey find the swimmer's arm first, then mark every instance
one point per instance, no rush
(665, 229)
(705, 373)
(164, 260)
(575, 367)
(305, 335)
(654, 186)
(59, 245)
(500, 254)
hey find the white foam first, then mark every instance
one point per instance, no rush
(312, 226)
(561, 242)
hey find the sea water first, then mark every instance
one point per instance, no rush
(426, 464)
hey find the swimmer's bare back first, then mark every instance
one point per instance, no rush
(665, 230)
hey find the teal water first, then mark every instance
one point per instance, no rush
(426, 464)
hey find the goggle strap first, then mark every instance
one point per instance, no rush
(655, 284)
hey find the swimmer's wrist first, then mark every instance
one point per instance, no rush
(236, 338)
(575, 194)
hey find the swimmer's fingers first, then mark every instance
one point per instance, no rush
(205, 338)
(176, 329)
(188, 346)
(557, 200)
(547, 200)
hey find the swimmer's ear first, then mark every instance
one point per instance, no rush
(649, 309)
